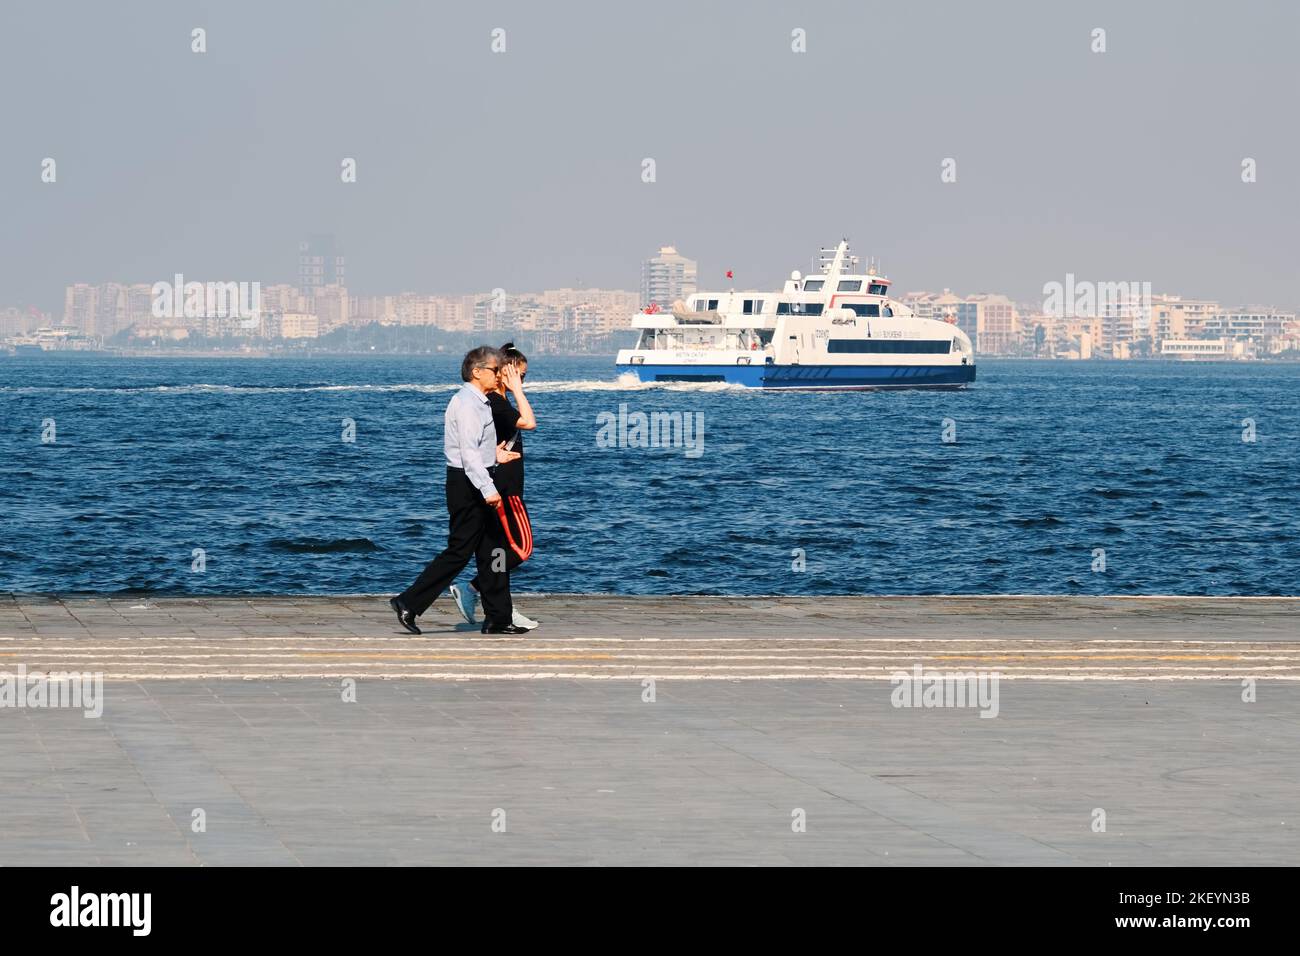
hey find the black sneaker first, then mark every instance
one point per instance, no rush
(404, 615)
(504, 629)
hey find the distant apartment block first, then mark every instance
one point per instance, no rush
(282, 297)
(1251, 323)
(1067, 338)
(16, 321)
(991, 320)
(108, 308)
(1122, 321)
(299, 325)
(320, 263)
(332, 307)
(579, 311)
(996, 322)
(79, 304)
(374, 308)
(667, 277)
(410, 308)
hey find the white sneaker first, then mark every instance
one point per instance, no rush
(465, 601)
(518, 620)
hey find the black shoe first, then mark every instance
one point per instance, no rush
(404, 615)
(504, 629)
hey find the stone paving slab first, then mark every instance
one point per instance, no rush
(588, 772)
(584, 771)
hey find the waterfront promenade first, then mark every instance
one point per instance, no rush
(636, 730)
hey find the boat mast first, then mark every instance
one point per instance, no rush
(836, 266)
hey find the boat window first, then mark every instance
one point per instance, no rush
(713, 304)
(799, 308)
(889, 312)
(850, 285)
(753, 306)
(867, 309)
(876, 288)
(912, 346)
(813, 285)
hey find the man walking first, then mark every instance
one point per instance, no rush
(470, 447)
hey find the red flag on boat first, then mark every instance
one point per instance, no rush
(729, 275)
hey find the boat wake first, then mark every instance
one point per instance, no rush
(627, 382)
(624, 383)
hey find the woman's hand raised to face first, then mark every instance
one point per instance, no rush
(510, 377)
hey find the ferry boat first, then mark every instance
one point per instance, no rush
(834, 330)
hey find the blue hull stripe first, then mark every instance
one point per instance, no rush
(810, 376)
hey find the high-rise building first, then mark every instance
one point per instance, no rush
(996, 321)
(1168, 319)
(111, 309)
(1125, 319)
(139, 304)
(667, 277)
(320, 263)
(79, 306)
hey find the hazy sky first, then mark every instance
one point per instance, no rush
(523, 169)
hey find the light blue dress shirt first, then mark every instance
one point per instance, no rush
(469, 439)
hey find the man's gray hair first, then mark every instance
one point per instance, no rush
(483, 355)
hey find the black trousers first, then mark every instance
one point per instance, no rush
(476, 532)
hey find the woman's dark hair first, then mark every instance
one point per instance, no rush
(512, 354)
(482, 355)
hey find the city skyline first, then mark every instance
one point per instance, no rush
(1139, 324)
(709, 279)
(655, 285)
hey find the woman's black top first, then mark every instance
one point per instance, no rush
(509, 478)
